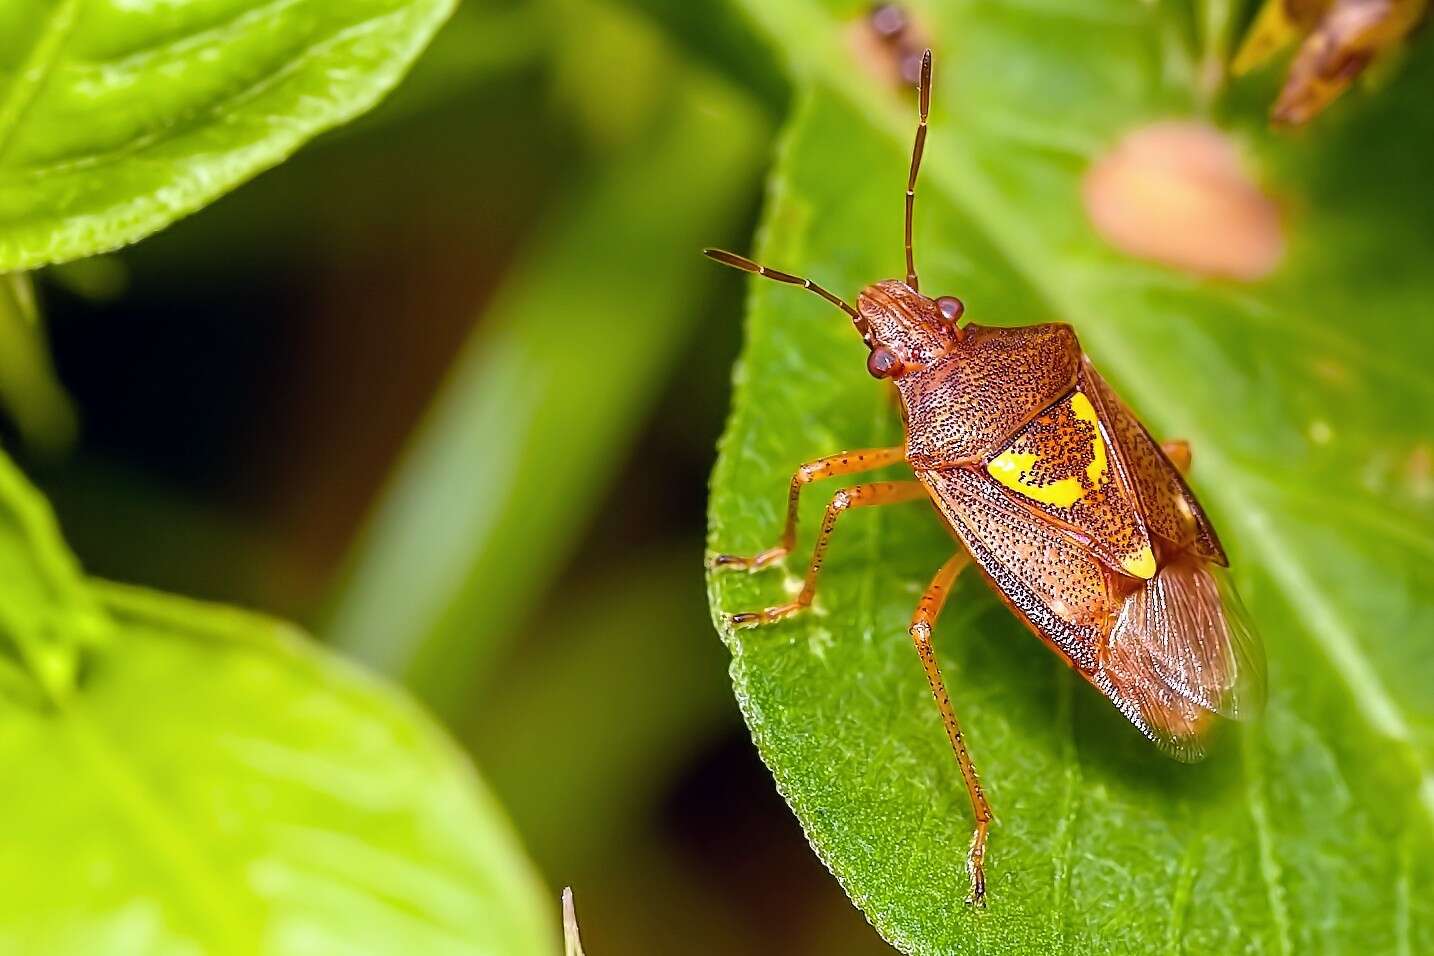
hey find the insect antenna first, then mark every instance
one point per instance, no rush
(747, 265)
(924, 98)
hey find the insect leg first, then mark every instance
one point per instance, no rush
(922, 623)
(1178, 451)
(842, 463)
(857, 496)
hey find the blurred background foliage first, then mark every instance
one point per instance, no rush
(444, 388)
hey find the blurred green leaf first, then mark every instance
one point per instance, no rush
(550, 739)
(712, 33)
(30, 391)
(96, 279)
(482, 41)
(116, 118)
(594, 731)
(216, 784)
(538, 411)
(46, 614)
(613, 108)
(1308, 404)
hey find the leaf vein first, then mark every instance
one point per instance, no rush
(35, 70)
(1269, 864)
(1401, 900)
(1070, 804)
(142, 55)
(226, 103)
(209, 896)
(1180, 898)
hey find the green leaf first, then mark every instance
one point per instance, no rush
(214, 783)
(1308, 404)
(46, 614)
(117, 118)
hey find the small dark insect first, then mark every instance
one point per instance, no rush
(1070, 510)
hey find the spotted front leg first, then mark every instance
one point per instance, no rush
(857, 496)
(842, 463)
(922, 624)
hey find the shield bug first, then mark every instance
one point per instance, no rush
(1078, 519)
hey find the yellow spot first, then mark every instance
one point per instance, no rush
(1142, 565)
(1095, 471)
(1013, 468)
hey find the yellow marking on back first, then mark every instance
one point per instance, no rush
(1096, 470)
(1141, 565)
(1013, 468)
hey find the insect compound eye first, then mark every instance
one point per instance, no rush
(883, 363)
(951, 308)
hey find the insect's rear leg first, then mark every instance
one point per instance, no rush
(857, 496)
(842, 463)
(1178, 451)
(922, 623)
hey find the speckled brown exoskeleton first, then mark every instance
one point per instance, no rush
(1078, 519)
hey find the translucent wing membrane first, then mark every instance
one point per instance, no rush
(1199, 639)
(1181, 650)
(1173, 722)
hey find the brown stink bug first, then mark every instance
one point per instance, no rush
(1071, 511)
